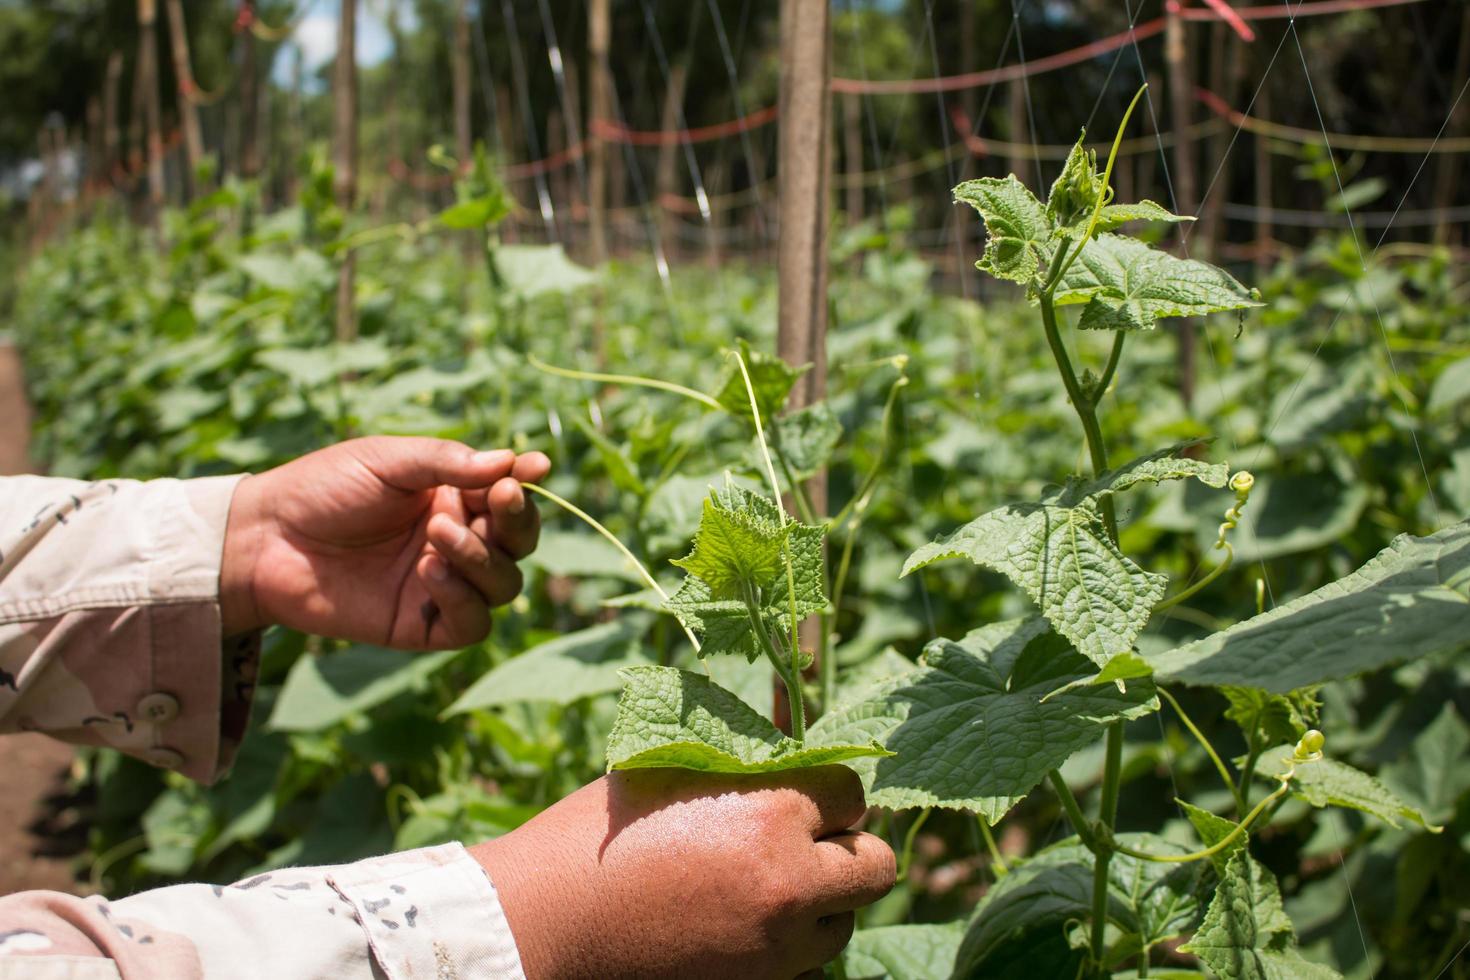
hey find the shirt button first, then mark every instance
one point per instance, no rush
(164, 758)
(158, 708)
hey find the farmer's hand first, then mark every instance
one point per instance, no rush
(402, 542)
(670, 873)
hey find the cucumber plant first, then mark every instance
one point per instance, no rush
(980, 722)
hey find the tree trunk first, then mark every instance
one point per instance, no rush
(188, 112)
(1181, 101)
(344, 98)
(599, 110)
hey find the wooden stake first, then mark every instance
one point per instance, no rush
(1448, 166)
(599, 109)
(666, 176)
(188, 111)
(1264, 231)
(1181, 101)
(804, 177)
(111, 135)
(463, 139)
(153, 112)
(344, 96)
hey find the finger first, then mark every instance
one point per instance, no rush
(419, 463)
(531, 467)
(484, 566)
(515, 521)
(854, 869)
(528, 468)
(457, 615)
(831, 798)
(830, 935)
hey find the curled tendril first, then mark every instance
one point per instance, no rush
(1241, 483)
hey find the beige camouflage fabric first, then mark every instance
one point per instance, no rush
(110, 635)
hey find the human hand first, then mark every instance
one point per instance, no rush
(402, 542)
(672, 873)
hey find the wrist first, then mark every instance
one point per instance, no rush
(245, 532)
(534, 900)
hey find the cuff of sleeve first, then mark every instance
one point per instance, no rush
(432, 912)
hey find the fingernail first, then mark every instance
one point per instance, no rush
(517, 503)
(494, 457)
(436, 569)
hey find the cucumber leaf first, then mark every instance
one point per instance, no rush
(1411, 601)
(972, 727)
(670, 717)
(1017, 228)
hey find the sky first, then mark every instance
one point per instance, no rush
(317, 36)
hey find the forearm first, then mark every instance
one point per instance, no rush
(425, 913)
(110, 620)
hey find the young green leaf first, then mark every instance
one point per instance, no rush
(1432, 771)
(1075, 192)
(571, 667)
(805, 438)
(671, 717)
(740, 550)
(969, 725)
(1128, 286)
(1246, 934)
(1212, 829)
(770, 376)
(1328, 782)
(1116, 215)
(1412, 600)
(1058, 551)
(1272, 715)
(907, 952)
(1018, 229)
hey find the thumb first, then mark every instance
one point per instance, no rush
(417, 463)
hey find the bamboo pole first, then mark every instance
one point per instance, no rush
(1181, 100)
(188, 112)
(599, 109)
(344, 96)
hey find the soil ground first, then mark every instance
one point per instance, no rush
(39, 835)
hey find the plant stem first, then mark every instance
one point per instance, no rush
(592, 522)
(1199, 736)
(998, 860)
(785, 668)
(1114, 356)
(1074, 812)
(1243, 794)
(908, 842)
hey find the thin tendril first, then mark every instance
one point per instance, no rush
(593, 523)
(625, 379)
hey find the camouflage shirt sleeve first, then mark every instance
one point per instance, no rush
(110, 619)
(424, 913)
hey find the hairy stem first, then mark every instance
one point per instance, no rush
(1114, 356)
(1220, 844)
(1074, 812)
(785, 667)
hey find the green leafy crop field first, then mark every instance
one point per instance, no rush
(1135, 686)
